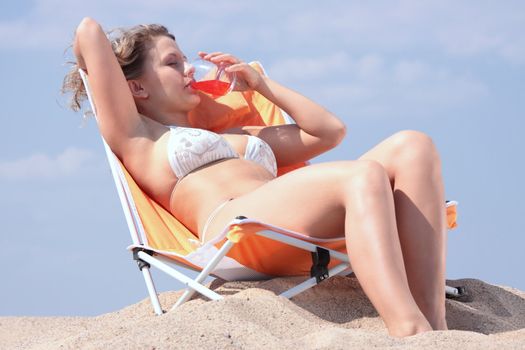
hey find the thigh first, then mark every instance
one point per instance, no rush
(309, 200)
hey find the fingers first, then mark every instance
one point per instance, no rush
(247, 77)
(236, 67)
(219, 57)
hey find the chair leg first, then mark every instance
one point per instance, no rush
(179, 276)
(146, 273)
(311, 282)
(458, 293)
(188, 293)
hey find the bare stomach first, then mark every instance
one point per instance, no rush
(199, 193)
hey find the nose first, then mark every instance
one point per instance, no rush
(189, 70)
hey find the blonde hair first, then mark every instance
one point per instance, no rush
(130, 47)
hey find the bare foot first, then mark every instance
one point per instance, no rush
(407, 329)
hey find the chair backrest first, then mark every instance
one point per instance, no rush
(149, 223)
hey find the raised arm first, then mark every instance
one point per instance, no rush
(317, 130)
(118, 118)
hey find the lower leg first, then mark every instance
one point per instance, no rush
(421, 224)
(413, 165)
(376, 257)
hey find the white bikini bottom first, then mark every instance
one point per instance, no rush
(211, 217)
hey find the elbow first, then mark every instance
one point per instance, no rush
(86, 24)
(87, 27)
(333, 138)
(85, 32)
(340, 133)
(336, 135)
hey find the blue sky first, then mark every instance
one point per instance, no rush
(455, 70)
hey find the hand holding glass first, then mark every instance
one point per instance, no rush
(212, 79)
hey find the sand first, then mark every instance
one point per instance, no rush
(334, 315)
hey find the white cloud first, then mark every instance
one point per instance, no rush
(466, 28)
(369, 67)
(26, 34)
(375, 86)
(50, 24)
(410, 71)
(514, 51)
(379, 51)
(310, 68)
(72, 161)
(334, 66)
(484, 28)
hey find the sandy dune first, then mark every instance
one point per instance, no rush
(335, 315)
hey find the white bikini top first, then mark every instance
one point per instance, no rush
(190, 149)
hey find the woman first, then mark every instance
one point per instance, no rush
(389, 203)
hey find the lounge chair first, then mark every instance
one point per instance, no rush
(246, 249)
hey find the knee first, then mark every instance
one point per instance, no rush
(367, 177)
(414, 149)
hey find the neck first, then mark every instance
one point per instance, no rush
(179, 119)
(167, 118)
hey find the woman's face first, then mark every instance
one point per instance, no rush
(167, 77)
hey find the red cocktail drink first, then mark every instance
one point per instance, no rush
(212, 87)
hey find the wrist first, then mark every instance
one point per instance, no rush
(261, 84)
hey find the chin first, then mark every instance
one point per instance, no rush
(196, 99)
(193, 102)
